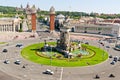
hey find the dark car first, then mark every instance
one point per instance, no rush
(87, 43)
(110, 56)
(111, 75)
(50, 39)
(19, 45)
(97, 76)
(107, 46)
(5, 50)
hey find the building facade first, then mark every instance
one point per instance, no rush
(9, 24)
(30, 16)
(110, 29)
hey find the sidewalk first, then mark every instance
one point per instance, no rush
(10, 36)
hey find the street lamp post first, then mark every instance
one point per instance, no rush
(103, 47)
(103, 54)
(51, 55)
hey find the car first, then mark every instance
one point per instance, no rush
(87, 43)
(110, 56)
(6, 61)
(107, 46)
(47, 31)
(50, 39)
(23, 66)
(97, 76)
(113, 62)
(5, 50)
(18, 62)
(111, 75)
(119, 59)
(115, 58)
(49, 72)
(19, 45)
(115, 48)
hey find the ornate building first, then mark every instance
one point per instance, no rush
(9, 24)
(20, 9)
(111, 29)
(30, 16)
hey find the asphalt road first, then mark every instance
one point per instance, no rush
(34, 71)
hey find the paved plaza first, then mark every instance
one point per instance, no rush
(34, 71)
(13, 36)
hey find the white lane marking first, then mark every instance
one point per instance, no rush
(61, 73)
(29, 67)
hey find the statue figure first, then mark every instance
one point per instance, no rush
(64, 43)
(79, 45)
(45, 42)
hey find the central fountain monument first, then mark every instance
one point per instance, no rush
(66, 47)
(63, 44)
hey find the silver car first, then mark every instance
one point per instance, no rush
(6, 61)
(113, 62)
(18, 62)
(48, 71)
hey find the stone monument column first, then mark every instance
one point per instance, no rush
(64, 42)
(64, 39)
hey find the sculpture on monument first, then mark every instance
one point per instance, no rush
(63, 44)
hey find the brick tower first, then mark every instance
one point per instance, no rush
(33, 18)
(52, 18)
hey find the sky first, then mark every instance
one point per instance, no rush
(88, 6)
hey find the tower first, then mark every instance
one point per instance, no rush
(52, 18)
(28, 16)
(33, 18)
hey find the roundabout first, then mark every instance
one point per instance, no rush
(33, 71)
(54, 58)
(40, 54)
(64, 52)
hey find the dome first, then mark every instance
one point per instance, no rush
(52, 10)
(60, 16)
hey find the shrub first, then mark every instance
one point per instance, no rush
(79, 55)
